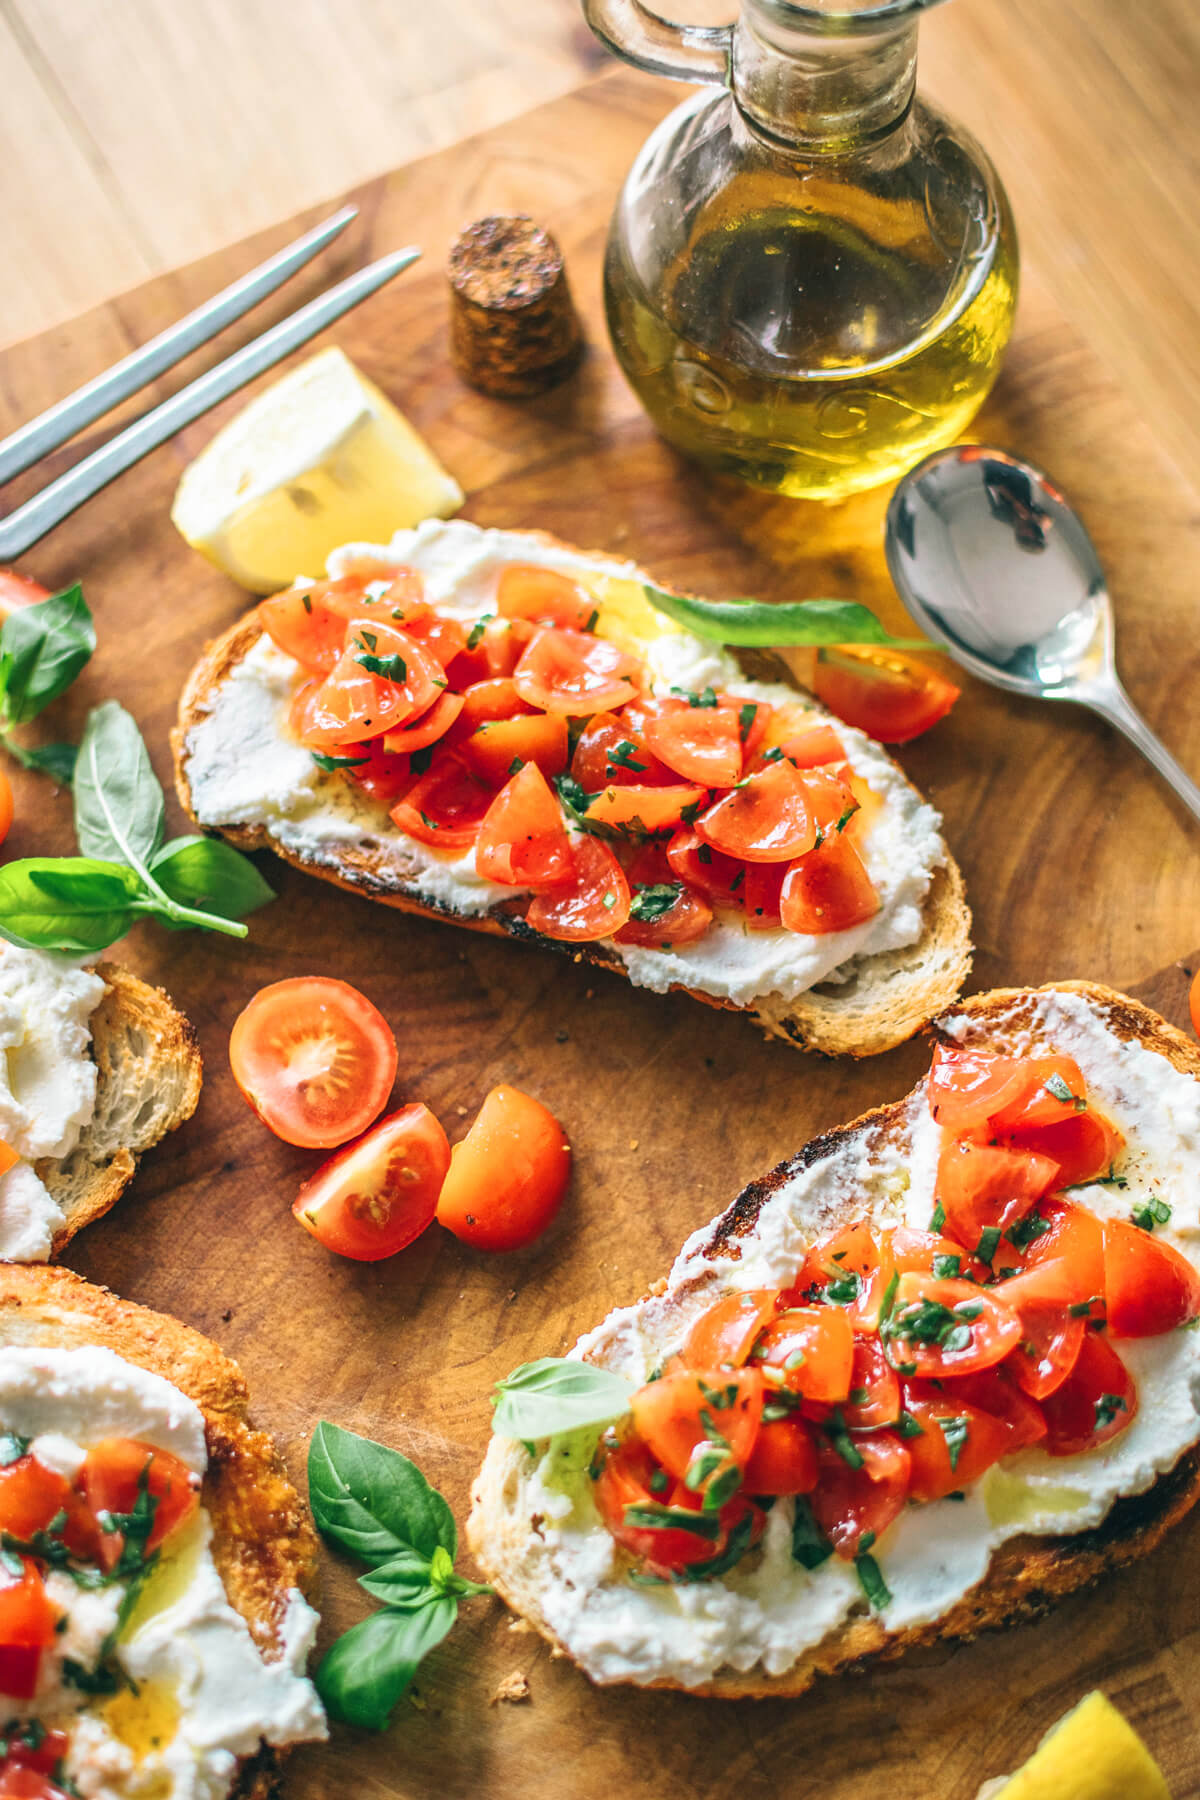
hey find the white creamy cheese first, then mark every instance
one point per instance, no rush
(768, 1610)
(201, 1694)
(47, 1086)
(244, 769)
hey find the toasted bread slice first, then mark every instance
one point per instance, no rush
(149, 1073)
(862, 1167)
(264, 1544)
(875, 1002)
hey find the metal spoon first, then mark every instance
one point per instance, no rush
(989, 559)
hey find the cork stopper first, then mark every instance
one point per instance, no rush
(514, 330)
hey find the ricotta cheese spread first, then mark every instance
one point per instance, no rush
(769, 1610)
(47, 1086)
(244, 769)
(198, 1693)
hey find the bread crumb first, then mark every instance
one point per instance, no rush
(633, 1143)
(414, 1699)
(514, 1688)
(520, 1627)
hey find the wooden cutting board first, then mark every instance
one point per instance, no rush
(1077, 861)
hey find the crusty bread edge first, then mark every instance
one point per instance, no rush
(1027, 1575)
(813, 1021)
(264, 1544)
(126, 999)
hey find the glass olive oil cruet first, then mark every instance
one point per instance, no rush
(811, 274)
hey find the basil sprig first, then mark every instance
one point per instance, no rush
(761, 624)
(84, 903)
(376, 1504)
(556, 1394)
(42, 649)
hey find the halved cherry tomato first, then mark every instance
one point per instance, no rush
(996, 1394)
(966, 1087)
(30, 1496)
(723, 1337)
(17, 1782)
(682, 920)
(314, 1058)
(630, 1477)
(886, 693)
(19, 590)
(523, 840)
(573, 673)
(310, 623)
(485, 701)
(495, 654)
(6, 806)
(508, 1175)
(958, 1442)
(116, 1471)
(720, 878)
(374, 769)
(1054, 1090)
(982, 1185)
(761, 894)
(814, 747)
(701, 743)
(1045, 1298)
(828, 889)
(812, 1350)
(766, 819)
(434, 723)
(382, 679)
(645, 809)
(444, 638)
(593, 904)
(831, 800)
(917, 1250)
(874, 1387)
(783, 1460)
(1074, 1235)
(381, 1191)
(545, 597)
(1084, 1145)
(611, 753)
(1148, 1286)
(941, 1328)
(1096, 1401)
(690, 1412)
(446, 805)
(848, 1502)
(854, 1266)
(27, 1621)
(537, 738)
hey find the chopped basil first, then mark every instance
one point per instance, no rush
(1027, 1229)
(746, 717)
(1058, 1087)
(956, 1432)
(429, 824)
(1107, 1408)
(477, 630)
(624, 756)
(938, 1220)
(842, 1442)
(844, 1289)
(989, 1243)
(1110, 1180)
(1153, 1212)
(652, 1515)
(908, 1427)
(329, 763)
(516, 765)
(810, 1546)
(420, 760)
(652, 899)
(946, 1268)
(659, 1482)
(1082, 1308)
(389, 668)
(12, 1448)
(872, 1582)
(735, 1549)
(593, 619)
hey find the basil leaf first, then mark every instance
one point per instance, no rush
(372, 1666)
(404, 1581)
(118, 801)
(556, 1394)
(69, 903)
(55, 760)
(210, 874)
(759, 622)
(42, 649)
(373, 1501)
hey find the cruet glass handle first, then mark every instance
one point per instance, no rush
(685, 52)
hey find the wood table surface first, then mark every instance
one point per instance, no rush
(1077, 860)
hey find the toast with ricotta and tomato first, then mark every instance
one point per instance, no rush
(95, 1068)
(936, 1371)
(154, 1625)
(495, 728)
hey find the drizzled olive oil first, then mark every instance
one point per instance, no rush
(815, 336)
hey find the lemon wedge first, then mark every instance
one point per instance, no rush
(1091, 1754)
(321, 458)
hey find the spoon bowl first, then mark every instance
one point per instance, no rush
(992, 561)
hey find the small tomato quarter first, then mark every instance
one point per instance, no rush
(508, 1175)
(315, 1060)
(379, 1193)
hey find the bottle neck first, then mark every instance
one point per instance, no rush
(823, 93)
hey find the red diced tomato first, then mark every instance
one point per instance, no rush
(958, 1442)
(981, 1186)
(538, 738)
(610, 752)
(379, 1193)
(573, 673)
(1051, 1333)
(992, 1390)
(382, 679)
(940, 1328)
(1084, 1145)
(850, 1501)
(814, 747)
(378, 772)
(446, 806)
(723, 1337)
(783, 1460)
(858, 1258)
(1148, 1286)
(593, 903)
(117, 1470)
(544, 597)
(720, 878)
(1075, 1236)
(644, 809)
(1096, 1401)
(30, 1496)
(27, 1621)
(523, 840)
(630, 1478)
(683, 921)
(433, 724)
(874, 1387)
(828, 890)
(484, 701)
(683, 1414)
(812, 1350)
(766, 819)
(701, 743)
(310, 623)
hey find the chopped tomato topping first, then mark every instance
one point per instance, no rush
(886, 693)
(645, 809)
(443, 638)
(828, 889)
(783, 1460)
(723, 1337)
(702, 743)
(116, 1472)
(814, 747)
(30, 1496)
(484, 701)
(811, 1351)
(495, 653)
(509, 1174)
(720, 878)
(1084, 1146)
(701, 1427)
(874, 1397)
(382, 679)
(27, 1621)
(853, 1270)
(992, 1390)
(861, 1495)
(658, 1520)
(1072, 1234)
(1096, 1401)
(310, 623)
(433, 724)
(982, 1186)
(593, 904)
(545, 597)
(765, 819)
(377, 771)
(1148, 1286)
(957, 1442)
(1046, 1299)
(761, 894)
(570, 672)
(611, 753)
(939, 1328)
(446, 806)
(500, 746)
(663, 910)
(523, 840)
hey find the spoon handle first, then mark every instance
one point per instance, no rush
(1114, 704)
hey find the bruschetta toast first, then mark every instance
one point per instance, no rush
(935, 1372)
(495, 728)
(98, 1067)
(168, 1563)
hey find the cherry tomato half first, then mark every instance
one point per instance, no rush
(957, 1444)
(767, 819)
(523, 840)
(690, 1412)
(848, 1502)
(527, 591)
(593, 904)
(886, 693)
(1096, 1401)
(381, 1191)
(724, 1335)
(509, 1174)
(828, 889)
(19, 590)
(571, 672)
(1149, 1287)
(314, 1058)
